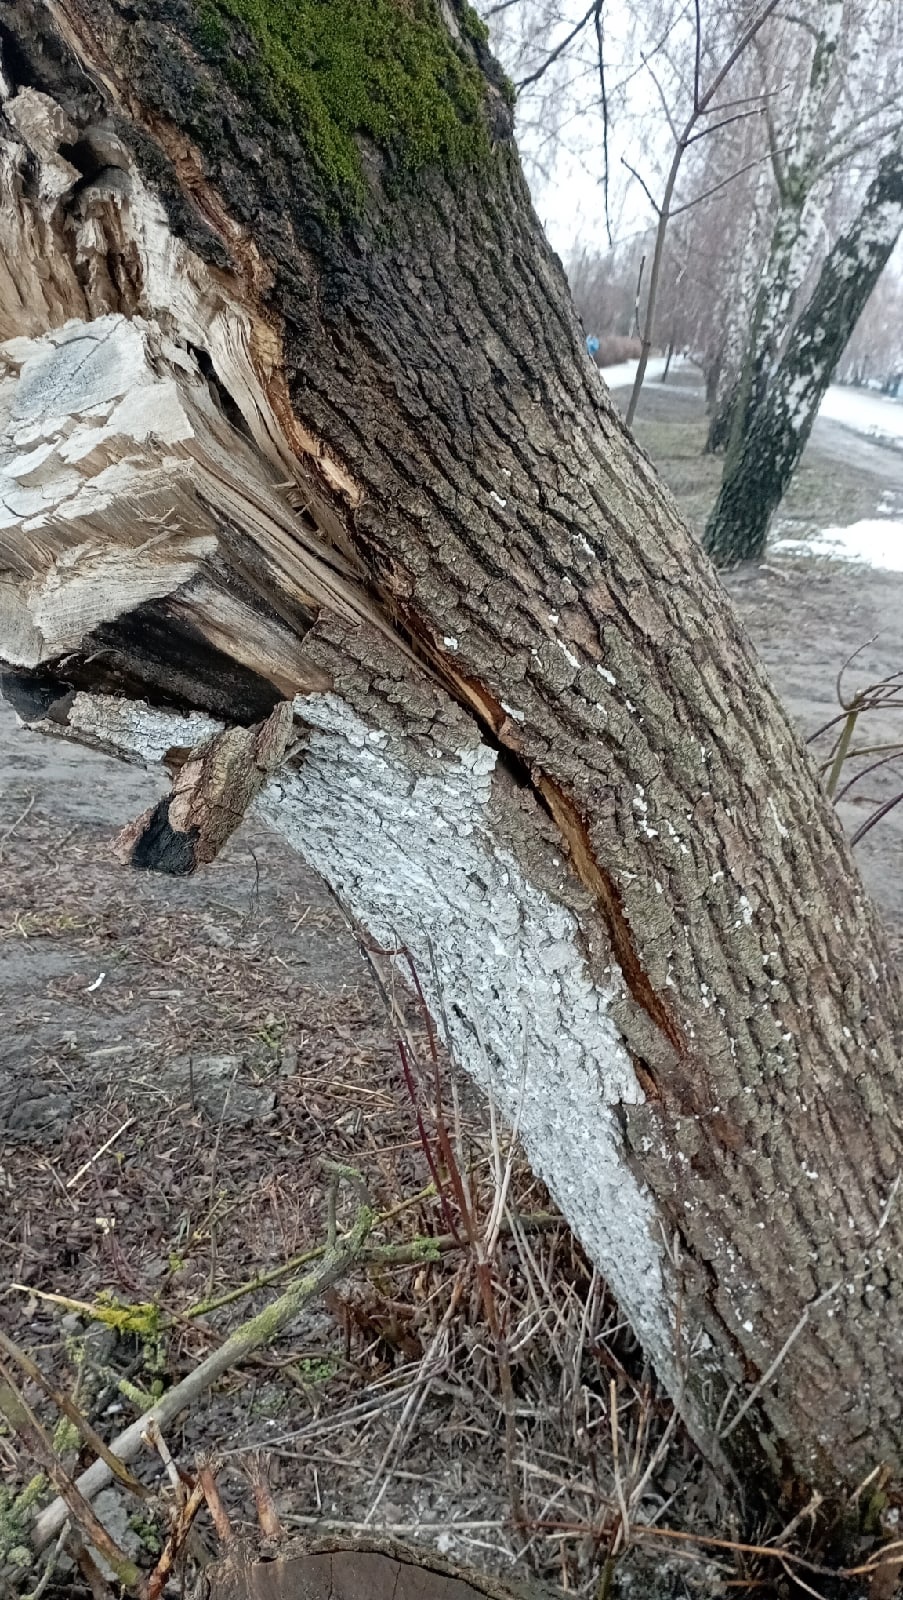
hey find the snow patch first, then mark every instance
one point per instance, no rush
(874, 543)
(624, 373)
(875, 415)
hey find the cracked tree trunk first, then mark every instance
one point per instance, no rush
(254, 457)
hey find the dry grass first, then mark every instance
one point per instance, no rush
(470, 1397)
(484, 1396)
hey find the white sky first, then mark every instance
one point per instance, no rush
(566, 172)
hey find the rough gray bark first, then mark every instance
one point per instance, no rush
(779, 419)
(252, 454)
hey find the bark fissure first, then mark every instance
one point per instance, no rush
(575, 833)
(497, 729)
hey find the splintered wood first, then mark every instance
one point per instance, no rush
(211, 792)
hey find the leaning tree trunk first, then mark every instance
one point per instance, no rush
(303, 457)
(735, 314)
(779, 424)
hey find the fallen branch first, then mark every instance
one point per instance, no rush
(70, 1410)
(410, 1252)
(425, 1247)
(260, 1330)
(73, 1504)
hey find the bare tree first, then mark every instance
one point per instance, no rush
(310, 491)
(846, 117)
(811, 109)
(708, 114)
(777, 427)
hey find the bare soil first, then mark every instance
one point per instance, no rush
(177, 1056)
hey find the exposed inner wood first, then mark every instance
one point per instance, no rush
(246, 459)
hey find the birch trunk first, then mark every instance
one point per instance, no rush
(764, 306)
(779, 425)
(259, 452)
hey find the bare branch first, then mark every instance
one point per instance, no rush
(664, 101)
(697, 60)
(739, 116)
(849, 152)
(556, 54)
(743, 43)
(260, 1330)
(643, 185)
(664, 210)
(603, 101)
(688, 205)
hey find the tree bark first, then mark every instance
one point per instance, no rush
(779, 422)
(261, 445)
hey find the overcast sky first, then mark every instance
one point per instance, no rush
(565, 163)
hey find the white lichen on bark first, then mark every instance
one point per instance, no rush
(415, 856)
(134, 730)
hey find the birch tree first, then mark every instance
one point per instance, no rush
(792, 114)
(848, 111)
(310, 492)
(777, 426)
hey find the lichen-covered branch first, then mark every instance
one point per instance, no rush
(252, 1335)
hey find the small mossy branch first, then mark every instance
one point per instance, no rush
(252, 1335)
(339, 72)
(143, 1319)
(333, 1262)
(423, 1247)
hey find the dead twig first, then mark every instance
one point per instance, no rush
(10, 830)
(265, 1505)
(154, 1439)
(182, 1522)
(107, 1145)
(215, 1506)
(260, 1330)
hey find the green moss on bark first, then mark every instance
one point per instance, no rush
(339, 71)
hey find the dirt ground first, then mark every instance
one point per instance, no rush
(177, 1057)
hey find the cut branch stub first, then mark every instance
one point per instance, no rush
(213, 786)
